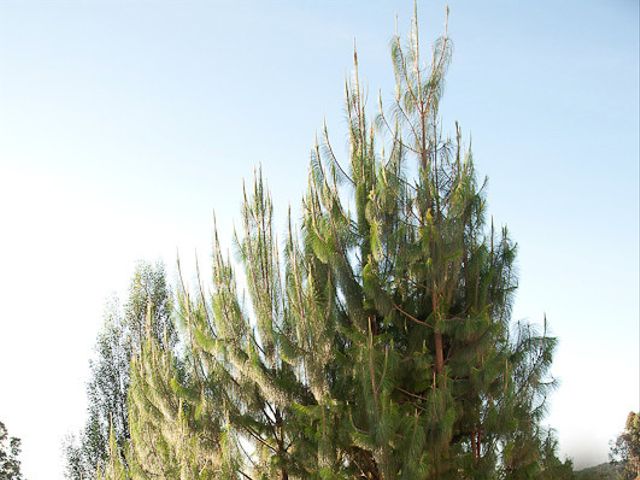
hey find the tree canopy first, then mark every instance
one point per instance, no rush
(374, 341)
(9, 456)
(625, 451)
(121, 336)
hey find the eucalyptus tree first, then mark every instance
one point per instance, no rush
(10, 447)
(625, 451)
(119, 339)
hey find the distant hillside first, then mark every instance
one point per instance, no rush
(604, 471)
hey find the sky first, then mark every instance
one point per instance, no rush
(125, 124)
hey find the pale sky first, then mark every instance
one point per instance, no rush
(123, 124)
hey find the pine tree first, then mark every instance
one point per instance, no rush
(434, 381)
(552, 467)
(241, 359)
(378, 345)
(175, 433)
(113, 468)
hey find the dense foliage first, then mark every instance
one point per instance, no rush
(375, 342)
(9, 456)
(625, 452)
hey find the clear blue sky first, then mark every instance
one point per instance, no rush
(123, 124)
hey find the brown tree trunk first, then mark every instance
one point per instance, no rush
(473, 444)
(280, 440)
(439, 353)
(435, 299)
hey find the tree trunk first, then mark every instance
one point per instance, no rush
(439, 353)
(473, 445)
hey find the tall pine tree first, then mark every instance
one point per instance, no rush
(375, 343)
(432, 379)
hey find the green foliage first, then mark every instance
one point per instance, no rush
(374, 343)
(380, 345)
(107, 390)
(175, 431)
(625, 452)
(114, 468)
(9, 456)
